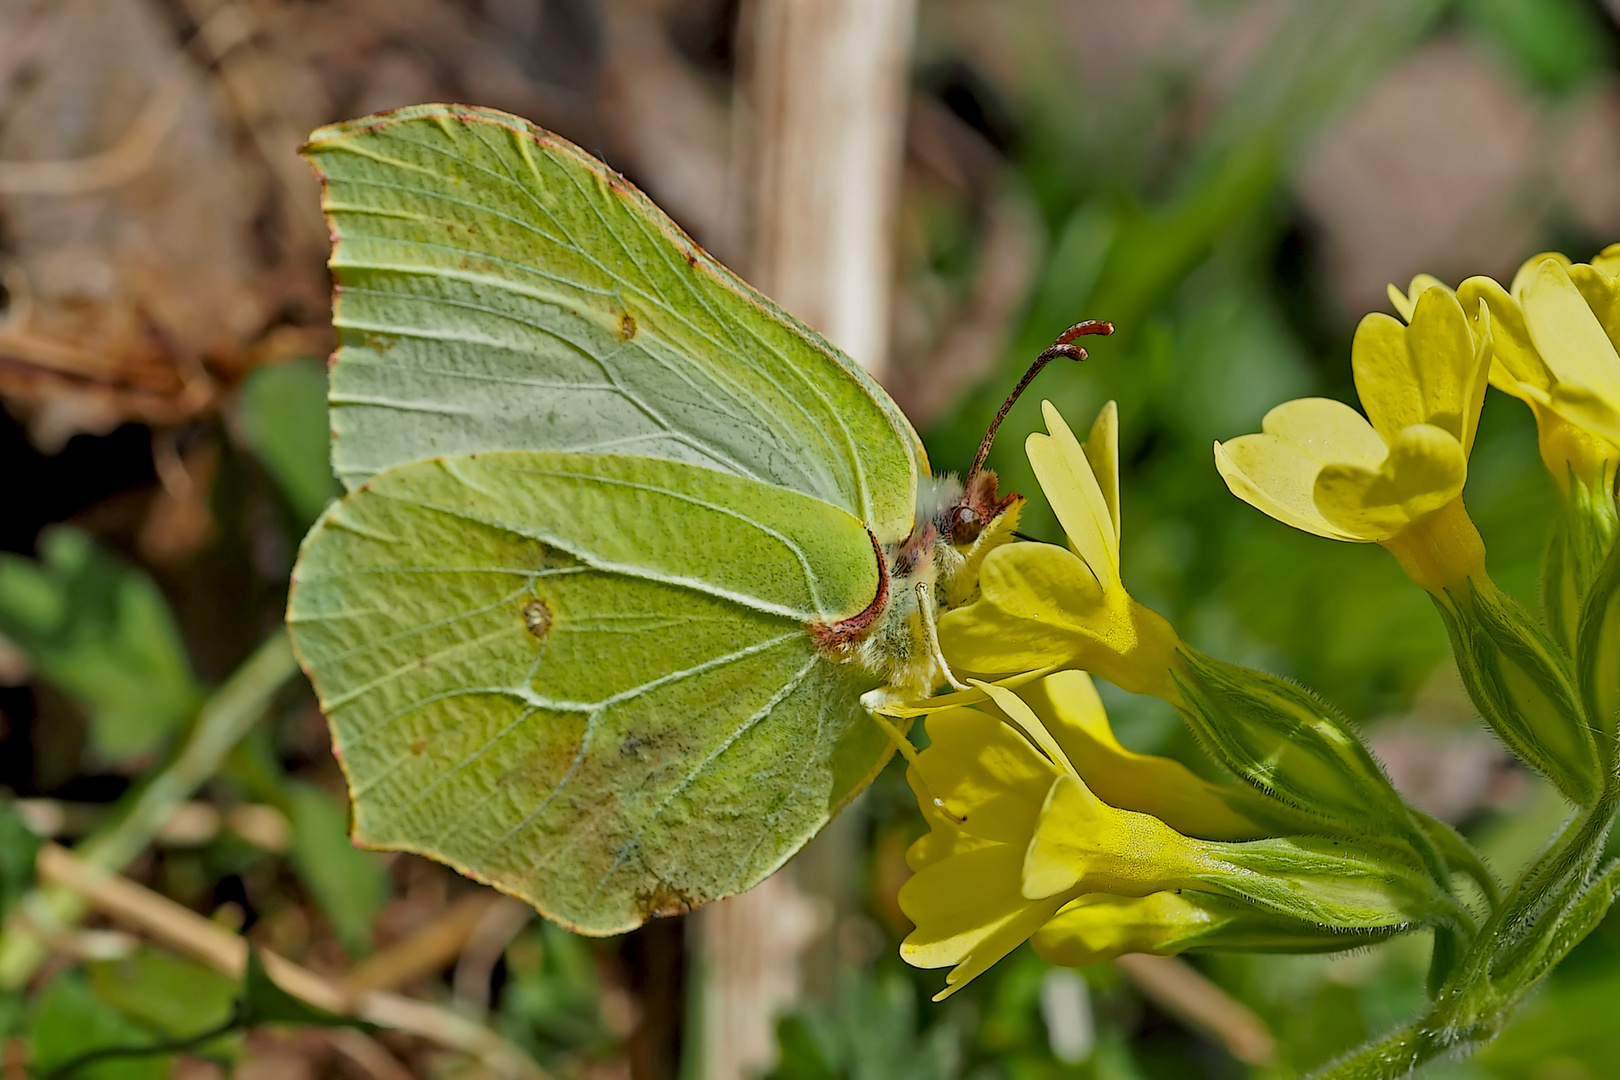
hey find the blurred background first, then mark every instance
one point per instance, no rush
(941, 186)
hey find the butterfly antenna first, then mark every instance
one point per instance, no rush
(1063, 346)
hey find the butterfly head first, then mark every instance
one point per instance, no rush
(967, 526)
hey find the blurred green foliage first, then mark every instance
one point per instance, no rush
(169, 996)
(18, 846)
(1557, 44)
(68, 1020)
(552, 1003)
(868, 1033)
(349, 885)
(100, 631)
(282, 413)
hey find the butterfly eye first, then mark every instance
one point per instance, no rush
(965, 525)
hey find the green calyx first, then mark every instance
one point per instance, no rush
(1298, 752)
(1330, 883)
(1582, 538)
(1522, 683)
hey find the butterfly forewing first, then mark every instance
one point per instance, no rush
(586, 679)
(500, 289)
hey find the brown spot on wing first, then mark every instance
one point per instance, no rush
(664, 901)
(538, 618)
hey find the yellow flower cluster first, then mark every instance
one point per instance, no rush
(1043, 826)
(1396, 477)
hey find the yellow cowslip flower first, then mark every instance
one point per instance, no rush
(1396, 476)
(1016, 835)
(982, 783)
(1042, 606)
(1554, 332)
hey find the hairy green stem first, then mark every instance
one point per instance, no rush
(1555, 903)
(221, 723)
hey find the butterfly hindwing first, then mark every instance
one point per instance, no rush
(500, 289)
(586, 678)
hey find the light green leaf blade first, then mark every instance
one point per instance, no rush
(498, 289)
(587, 679)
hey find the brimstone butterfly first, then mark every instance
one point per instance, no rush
(624, 544)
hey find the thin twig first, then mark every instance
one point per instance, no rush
(227, 716)
(124, 161)
(187, 932)
(485, 946)
(423, 951)
(1181, 990)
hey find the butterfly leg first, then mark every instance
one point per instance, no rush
(925, 604)
(909, 752)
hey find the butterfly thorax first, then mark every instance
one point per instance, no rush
(932, 570)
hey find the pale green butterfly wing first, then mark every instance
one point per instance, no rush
(498, 288)
(587, 679)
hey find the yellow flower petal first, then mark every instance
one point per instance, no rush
(1031, 613)
(959, 903)
(1607, 261)
(905, 710)
(1426, 373)
(1601, 292)
(1406, 302)
(1024, 718)
(1006, 936)
(966, 897)
(1275, 471)
(1529, 268)
(1097, 927)
(1425, 470)
(1575, 348)
(991, 781)
(1082, 843)
(1102, 450)
(1514, 356)
(1066, 477)
(1067, 705)
(1040, 608)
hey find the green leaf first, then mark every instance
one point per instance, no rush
(870, 1034)
(349, 886)
(499, 289)
(552, 1002)
(263, 1002)
(1557, 44)
(99, 630)
(164, 992)
(283, 415)
(68, 1021)
(18, 846)
(586, 678)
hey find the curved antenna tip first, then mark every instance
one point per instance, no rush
(1064, 346)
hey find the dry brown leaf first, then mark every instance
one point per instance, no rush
(134, 280)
